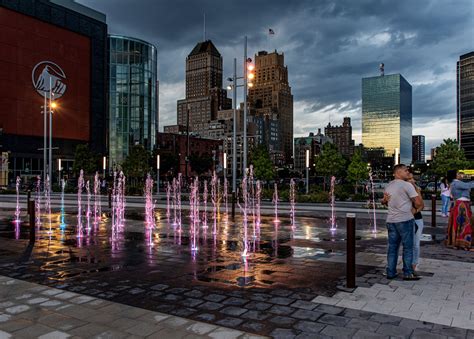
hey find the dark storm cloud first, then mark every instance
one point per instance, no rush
(329, 46)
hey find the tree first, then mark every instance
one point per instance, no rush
(449, 156)
(357, 170)
(136, 164)
(85, 160)
(330, 162)
(201, 163)
(262, 164)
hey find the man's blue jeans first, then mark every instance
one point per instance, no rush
(400, 232)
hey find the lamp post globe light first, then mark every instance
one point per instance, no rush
(307, 171)
(157, 174)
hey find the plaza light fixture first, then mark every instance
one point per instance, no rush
(157, 174)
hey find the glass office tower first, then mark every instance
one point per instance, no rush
(133, 96)
(387, 115)
(465, 103)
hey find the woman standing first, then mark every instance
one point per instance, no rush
(445, 197)
(418, 224)
(459, 225)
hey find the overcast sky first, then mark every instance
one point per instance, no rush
(328, 45)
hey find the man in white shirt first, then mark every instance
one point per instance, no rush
(401, 196)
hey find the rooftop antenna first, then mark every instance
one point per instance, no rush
(382, 69)
(204, 27)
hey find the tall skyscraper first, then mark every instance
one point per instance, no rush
(342, 136)
(418, 148)
(387, 115)
(133, 95)
(271, 97)
(465, 103)
(204, 93)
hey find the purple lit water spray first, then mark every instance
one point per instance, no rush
(292, 203)
(275, 203)
(258, 203)
(149, 209)
(332, 220)
(97, 202)
(214, 198)
(88, 209)
(194, 213)
(204, 199)
(80, 186)
(17, 209)
(244, 211)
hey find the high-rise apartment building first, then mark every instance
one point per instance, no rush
(418, 149)
(204, 93)
(342, 136)
(387, 115)
(271, 97)
(465, 103)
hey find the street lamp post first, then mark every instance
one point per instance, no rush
(104, 165)
(234, 139)
(307, 171)
(45, 145)
(157, 174)
(245, 108)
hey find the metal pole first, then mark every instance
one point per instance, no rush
(234, 138)
(50, 163)
(45, 145)
(433, 210)
(350, 251)
(245, 108)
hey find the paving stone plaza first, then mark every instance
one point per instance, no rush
(291, 285)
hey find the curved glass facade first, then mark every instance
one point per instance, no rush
(133, 96)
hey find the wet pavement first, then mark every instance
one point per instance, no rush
(268, 292)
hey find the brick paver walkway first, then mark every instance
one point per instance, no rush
(446, 297)
(30, 310)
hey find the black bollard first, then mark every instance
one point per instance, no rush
(351, 246)
(110, 198)
(433, 210)
(32, 212)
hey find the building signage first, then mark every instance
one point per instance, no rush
(48, 76)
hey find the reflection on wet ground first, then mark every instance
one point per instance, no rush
(160, 271)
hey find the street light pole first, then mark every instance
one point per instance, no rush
(104, 165)
(234, 139)
(245, 108)
(45, 145)
(186, 160)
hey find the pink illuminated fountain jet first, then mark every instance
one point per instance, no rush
(332, 220)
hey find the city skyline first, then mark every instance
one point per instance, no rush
(328, 48)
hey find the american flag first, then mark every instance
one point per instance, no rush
(271, 31)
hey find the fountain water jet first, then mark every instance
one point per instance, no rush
(17, 209)
(88, 210)
(38, 202)
(80, 186)
(332, 220)
(275, 203)
(149, 209)
(292, 203)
